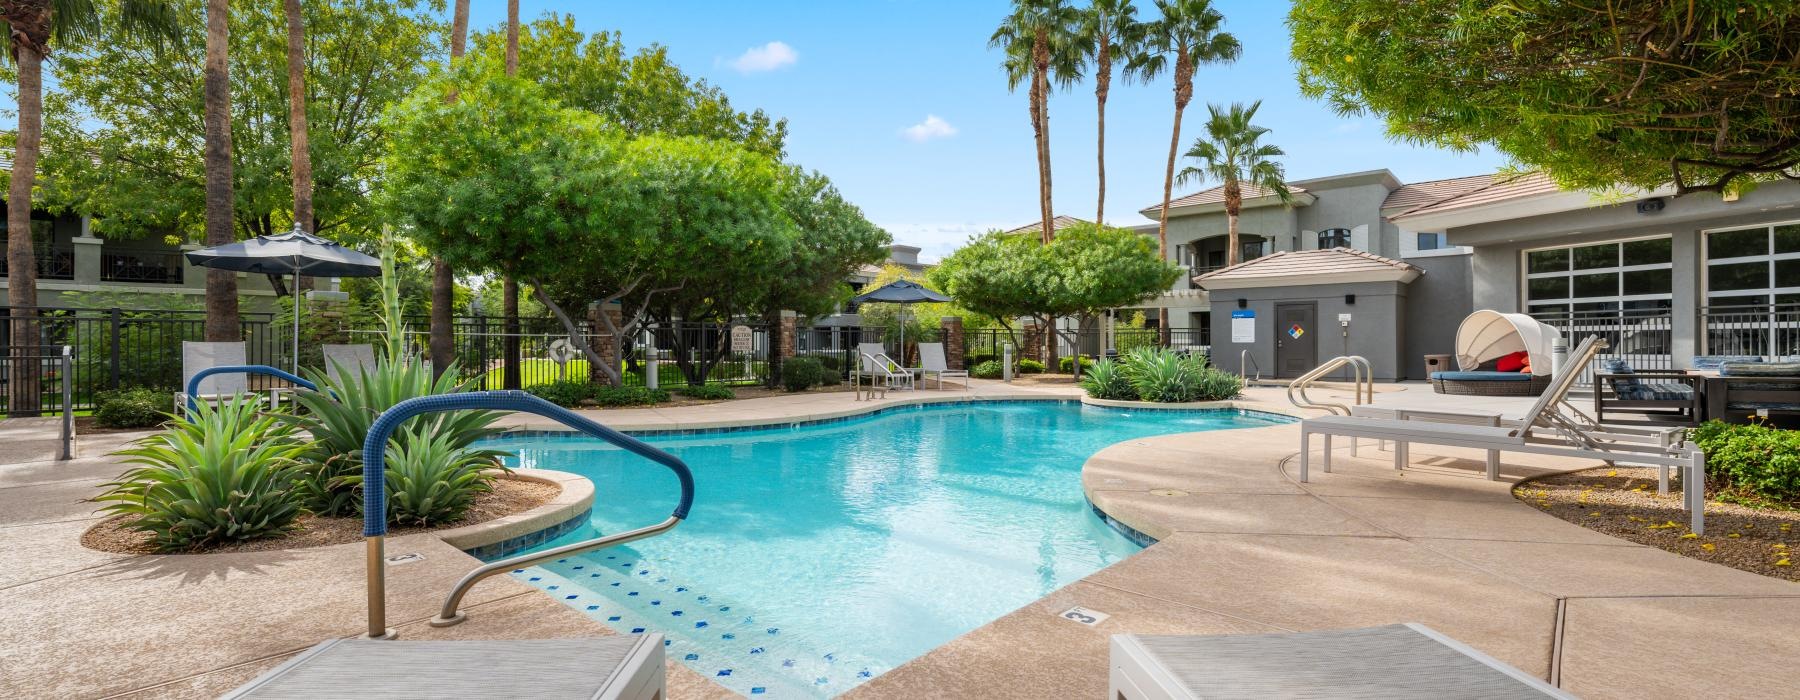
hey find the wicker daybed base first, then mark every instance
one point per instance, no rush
(1479, 387)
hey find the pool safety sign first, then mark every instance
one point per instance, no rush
(1295, 331)
(1243, 326)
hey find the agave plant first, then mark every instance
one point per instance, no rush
(431, 480)
(1163, 375)
(340, 413)
(1106, 380)
(222, 474)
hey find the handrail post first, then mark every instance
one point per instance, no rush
(68, 403)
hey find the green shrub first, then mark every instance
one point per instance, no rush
(978, 357)
(225, 474)
(987, 370)
(629, 396)
(801, 373)
(707, 392)
(1107, 380)
(1754, 464)
(132, 408)
(1167, 376)
(1028, 366)
(1218, 386)
(831, 363)
(567, 393)
(432, 481)
(341, 412)
(831, 377)
(1066, 365)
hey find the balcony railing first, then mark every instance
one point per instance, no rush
(141, 266)
(1765, 330)
(52, 264)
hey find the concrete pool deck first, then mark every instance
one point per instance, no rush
(1243, 549)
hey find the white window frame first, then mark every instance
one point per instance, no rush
(1769, 257)
(1621, 298)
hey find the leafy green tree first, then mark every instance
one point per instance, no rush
(1703, 95)
(1232, 153)
(833, 239)
(1110, 32)
(1040, 44)
(1186, 35)
(442, 341)
(220, 206)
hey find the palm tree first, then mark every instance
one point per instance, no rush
(221, 285)
(1110, 32)
(509, 285)
(1185, 36)
(1043, 30)
(1232, 155)
(31, 28)
(299, 142)
(443, 279)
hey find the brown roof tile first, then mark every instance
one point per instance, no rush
(1418, 194)
(1500, 190)
(1057, 224)
(1294, 263)
(1216, 195)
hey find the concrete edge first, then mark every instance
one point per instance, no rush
(873, 407)
(575, 499)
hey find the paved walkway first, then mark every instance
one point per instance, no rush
(1246, 548)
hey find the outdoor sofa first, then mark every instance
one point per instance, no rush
(1627, 396)
(1743, 389)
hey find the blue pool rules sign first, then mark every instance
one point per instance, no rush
(1243, 326)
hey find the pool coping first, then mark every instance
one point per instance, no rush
(511, 534)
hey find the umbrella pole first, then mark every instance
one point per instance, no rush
(295, 290)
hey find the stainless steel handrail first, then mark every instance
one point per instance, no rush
(1244, 362)
(449, 614)
(1362, 374)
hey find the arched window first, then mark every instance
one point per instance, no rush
(1334, 238)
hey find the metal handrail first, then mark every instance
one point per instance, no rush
(375, 493)
(1244, 362)
(1362, 373)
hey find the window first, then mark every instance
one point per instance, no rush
(1433, 241)
(1334, 238)
(1755, 266)
(1599, 279)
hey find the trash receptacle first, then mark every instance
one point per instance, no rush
(1436, 363)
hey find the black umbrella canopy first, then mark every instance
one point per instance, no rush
(294, 252)
(900, 292)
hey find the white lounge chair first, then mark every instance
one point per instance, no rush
(197, 356)
(876, 363)
(625, 667)
(1393, 662)
(1542, 430)
(931, 359)
(353, 359)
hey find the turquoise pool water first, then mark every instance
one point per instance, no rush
(817, 557)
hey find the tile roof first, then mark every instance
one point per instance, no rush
(1057, 224)
(1299, 263)
(1216, 195)
(1419, 194)
(1500, 190)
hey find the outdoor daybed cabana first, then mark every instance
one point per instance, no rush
(1489, 347)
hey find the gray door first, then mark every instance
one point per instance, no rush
(1296, 339)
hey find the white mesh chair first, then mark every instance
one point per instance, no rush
(351, 359)
(624, 667)
(197, 356)
(1394, 662)
(931, 359)
(877, 364)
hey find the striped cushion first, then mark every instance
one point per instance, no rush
(1655, 391)
(1620, 385)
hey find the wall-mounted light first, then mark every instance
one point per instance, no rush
(1243, 303)
(1350, 299)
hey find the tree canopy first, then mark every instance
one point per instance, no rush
(1085, 270)
(1702, 95)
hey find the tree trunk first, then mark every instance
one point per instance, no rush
(1233, 202)
(512, 38)
(443, 279)
(1184, 91)
(21, 261)
(221, 285)
(1040, 58)
(509, 304)
(300, 143)
(1102, 85)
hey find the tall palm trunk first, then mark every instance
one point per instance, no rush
(1234, 202)
(443, 279)
(221, 285)
(299, 141)
(511, 376)
(1102, 85)
(1184, 91)
(1040, 86)
(21, 261)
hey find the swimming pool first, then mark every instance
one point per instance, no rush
(819, 556)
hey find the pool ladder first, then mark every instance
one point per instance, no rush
(1362, 373)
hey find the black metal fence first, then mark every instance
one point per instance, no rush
(1764, 330)
(986, 343)
(122, 348)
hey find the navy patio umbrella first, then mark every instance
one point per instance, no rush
(901, 292)
(293, 253)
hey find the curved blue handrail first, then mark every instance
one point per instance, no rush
(193, 385)
(375, 446)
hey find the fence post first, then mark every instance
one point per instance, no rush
(481, 341)
(113, 359)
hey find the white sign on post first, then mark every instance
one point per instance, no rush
(1243, 326)
(740, 339)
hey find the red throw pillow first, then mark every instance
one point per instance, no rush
(1512, 363)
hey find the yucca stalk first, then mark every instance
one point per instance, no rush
(393, 314)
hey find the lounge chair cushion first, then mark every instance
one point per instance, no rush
(1481, 376)
(1620, 385)
(1760, 369)
(1712, 363)
(1655, 391)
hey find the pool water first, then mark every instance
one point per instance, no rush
(819, 556)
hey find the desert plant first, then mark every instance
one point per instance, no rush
(707, 392)
(1754, 464)
(801, 373)
(341, 412)
(1218, 386)
(1163, 375)
(1029, 366)
(987, 370)
(1107, 380)
(433, 481)
(221, 474)
(132, 408)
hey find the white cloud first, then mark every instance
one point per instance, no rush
(932, 128)
(761, 59)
